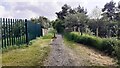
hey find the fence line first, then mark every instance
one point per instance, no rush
(18, 31)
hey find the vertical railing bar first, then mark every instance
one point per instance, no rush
(15, 22)
(7, 31)
(4, 32)
(12, 30)
(20, 29)
(1, 39)
(26, 31)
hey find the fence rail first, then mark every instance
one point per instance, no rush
(18, 31)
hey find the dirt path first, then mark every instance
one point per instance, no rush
(62, 55)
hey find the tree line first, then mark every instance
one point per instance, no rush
(105, 23)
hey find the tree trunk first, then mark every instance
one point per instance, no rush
(74, 29)
(118, 34)
(81, 31)
(54, 35)
(86, 30)
(109, 34)
(97, 30)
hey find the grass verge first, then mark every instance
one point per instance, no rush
(90, 56)
(32, 55)
(109, 46)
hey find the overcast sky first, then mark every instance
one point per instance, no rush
(34, 8)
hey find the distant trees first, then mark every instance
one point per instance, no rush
(58, 25)
(111, 12)
(76, 21)
(73, 19)
(103, 23)
(107, 23)
(65, 8)
(96, 14)
(43, 21)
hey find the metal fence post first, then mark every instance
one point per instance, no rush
(26, 31)
(1, 40)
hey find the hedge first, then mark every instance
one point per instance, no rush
(110, 46)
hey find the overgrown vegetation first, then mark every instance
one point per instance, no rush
(109, 46)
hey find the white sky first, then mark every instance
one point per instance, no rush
(34, 8)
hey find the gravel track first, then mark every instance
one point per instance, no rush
(62, 55)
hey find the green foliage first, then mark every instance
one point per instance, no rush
(52, 31)
(85, 39)
(71, 18)
(48, 36)
(75, 19)
(66, 9)
(107, 45)
(58, 26)
(102, 26)
(43, 21)
(110, 46)
(117, 50)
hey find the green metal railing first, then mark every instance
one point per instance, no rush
(18, 31)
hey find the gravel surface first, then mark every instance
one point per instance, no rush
(62, 55)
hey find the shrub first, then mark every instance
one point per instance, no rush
(107, 46)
